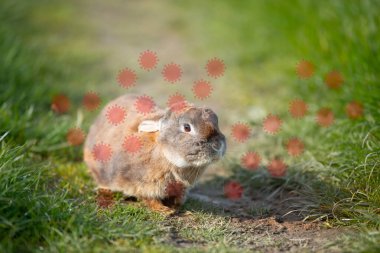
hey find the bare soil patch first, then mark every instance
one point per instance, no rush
(261, 223)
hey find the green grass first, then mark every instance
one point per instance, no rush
(39, 208)
(47, 202)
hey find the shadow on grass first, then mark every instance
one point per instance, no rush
(295, 197)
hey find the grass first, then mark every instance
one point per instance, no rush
(47, 201)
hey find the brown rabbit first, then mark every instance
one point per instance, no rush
(176, 149)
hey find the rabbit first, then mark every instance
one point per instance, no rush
(176, 149)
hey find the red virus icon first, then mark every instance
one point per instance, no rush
(354, 110)
(175, 189)
(298, 108)
(172, 72)
(295, 147)
(148, 60)
(132, 144)
(277, 168)
(233, 190)
(60, 104)
(115, 114)
(102, 152)
(75, 136)
(334, 80)
(177, 102)
(325, 117)
(272, 124)
(215, 67)
(91, 101)
(305, 69)
(144, 104)
(127, 78)
(202, 89)
(241, 132)
(251, 161)
(105, 198)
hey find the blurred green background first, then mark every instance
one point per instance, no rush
(72, 47)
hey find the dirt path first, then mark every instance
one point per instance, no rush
(265, 222)
(122, 31)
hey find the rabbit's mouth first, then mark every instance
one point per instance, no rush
(195, 158)
(207, 153)
(219, 147)
(206, 156)
(200, 162)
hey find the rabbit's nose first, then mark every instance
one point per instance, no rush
(219, 146)
(216, 145)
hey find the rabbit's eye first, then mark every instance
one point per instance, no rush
(187, 128)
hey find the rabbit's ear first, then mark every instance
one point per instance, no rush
(150, 126)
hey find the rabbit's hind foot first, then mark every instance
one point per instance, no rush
(157, 206)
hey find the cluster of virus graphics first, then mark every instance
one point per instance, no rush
(272, 124)
(334, 81)
(116, 114)
(202, 89)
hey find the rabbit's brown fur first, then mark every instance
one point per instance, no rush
(163, 160)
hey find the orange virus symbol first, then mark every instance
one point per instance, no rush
(177, 102)
(354, 110)
(241, 132)
(91, 101)
(233, 190)
(202, 89)
(132, 144)
(60, 104)
(144, 104)
(334, 80)
(277, 168)
(75, 136)
(104, 198)
(298, 108)
(102, 152)
(148, 60)
(251, 160)
(295, 147)
(172, 72)
(175, 189)
(325, 117)
(215, 67)
(127, 78)
(272, 124)
(305, 69)
(115, 114)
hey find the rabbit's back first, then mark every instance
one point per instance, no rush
(103, 150)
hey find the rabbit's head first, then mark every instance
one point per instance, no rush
(190, 138)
